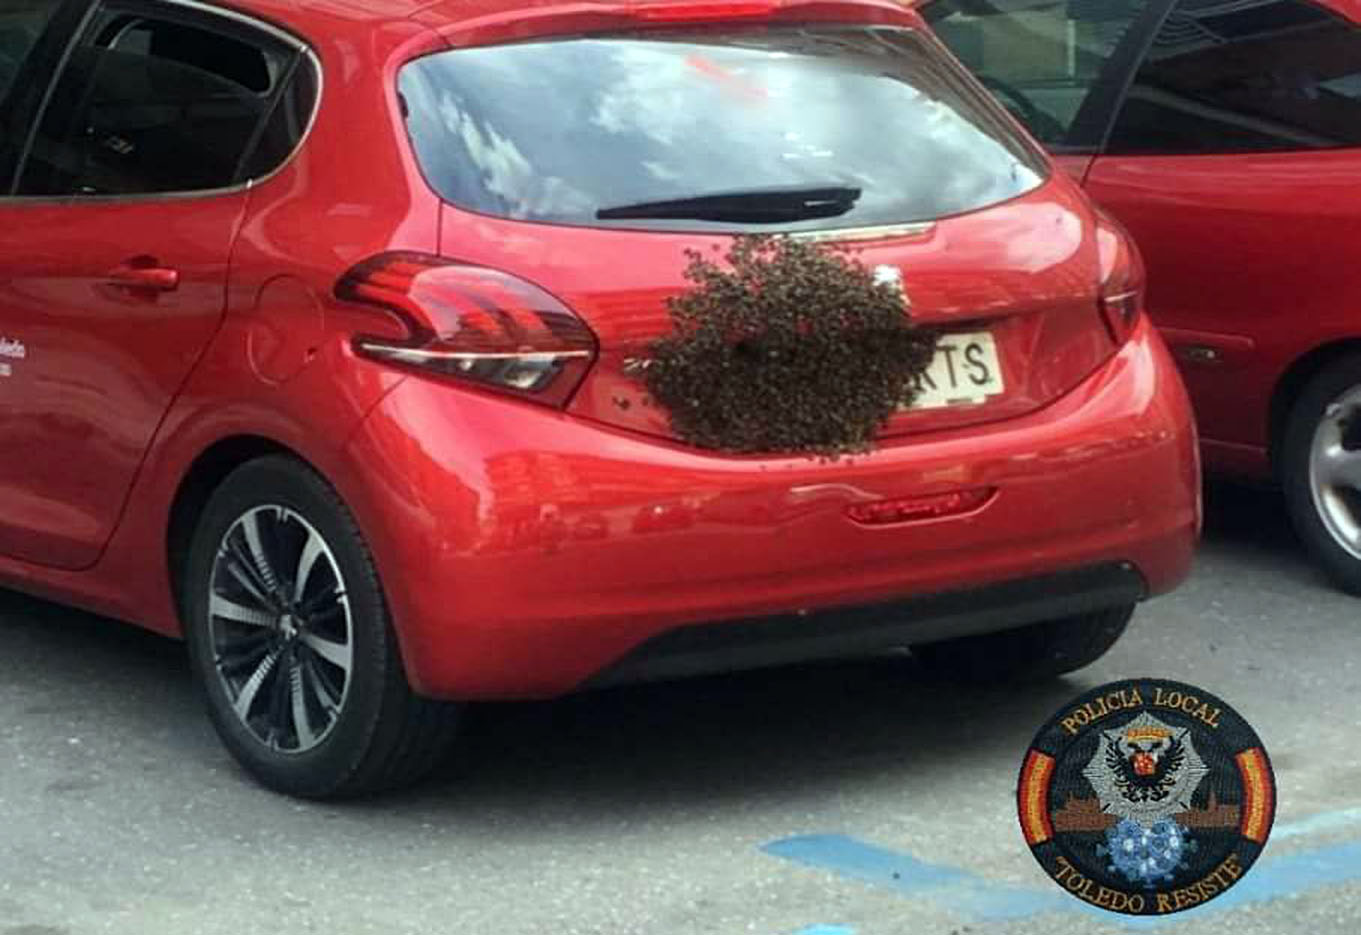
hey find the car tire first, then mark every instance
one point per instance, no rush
(1320, 470)
(1031, 653)
(332, 714)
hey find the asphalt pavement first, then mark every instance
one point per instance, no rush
(855, 798)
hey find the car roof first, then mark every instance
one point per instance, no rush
(308, 17)
(310, 13)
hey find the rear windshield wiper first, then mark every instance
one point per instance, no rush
(750, 206)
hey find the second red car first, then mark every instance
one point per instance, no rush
(1226, 137)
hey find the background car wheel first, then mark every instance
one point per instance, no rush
(1039, 651)
(289, 636)
(1321, 470)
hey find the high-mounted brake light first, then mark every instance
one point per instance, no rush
(692, 12)
(1122, 278)
(474, 324)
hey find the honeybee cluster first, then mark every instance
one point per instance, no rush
(786, 347)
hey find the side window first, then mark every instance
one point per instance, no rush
(21, 23)
(1040, 58)
(1245, 77)
(287, 122)
(150, 105)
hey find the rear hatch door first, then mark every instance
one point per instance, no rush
(590, 164)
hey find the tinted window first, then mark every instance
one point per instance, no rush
(150, 106)
(1245, 77)
(21, 23)
(1041, 58)
(287, 122)
(558, 131)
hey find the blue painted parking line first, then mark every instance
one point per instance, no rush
(1315, 824)
(967, 893)
(912, 877)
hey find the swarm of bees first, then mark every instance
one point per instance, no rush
(788, 347)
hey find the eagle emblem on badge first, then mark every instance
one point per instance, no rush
(1145, 770)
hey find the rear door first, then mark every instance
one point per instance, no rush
(1232, 163)
(114, 248)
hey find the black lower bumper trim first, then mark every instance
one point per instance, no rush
(751, 643)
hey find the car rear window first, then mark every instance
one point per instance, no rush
(562, 131)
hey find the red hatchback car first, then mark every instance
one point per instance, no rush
(1227, 139)
(315, 319)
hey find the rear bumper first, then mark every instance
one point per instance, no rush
(842, 631)
(525, 552)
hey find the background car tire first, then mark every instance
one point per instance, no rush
(1327, 411)
(357, 730)
(1039, 651)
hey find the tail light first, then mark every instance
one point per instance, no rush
(1122, 278)
(472, 324)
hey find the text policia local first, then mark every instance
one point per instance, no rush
(1107, 705)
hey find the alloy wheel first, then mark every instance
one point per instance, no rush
(1335, 470)
(281, 628)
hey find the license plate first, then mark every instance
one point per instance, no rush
(965, 372)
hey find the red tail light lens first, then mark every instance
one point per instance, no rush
(1122, 278)
(473, 324)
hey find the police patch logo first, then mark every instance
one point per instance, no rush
(1146, 797)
